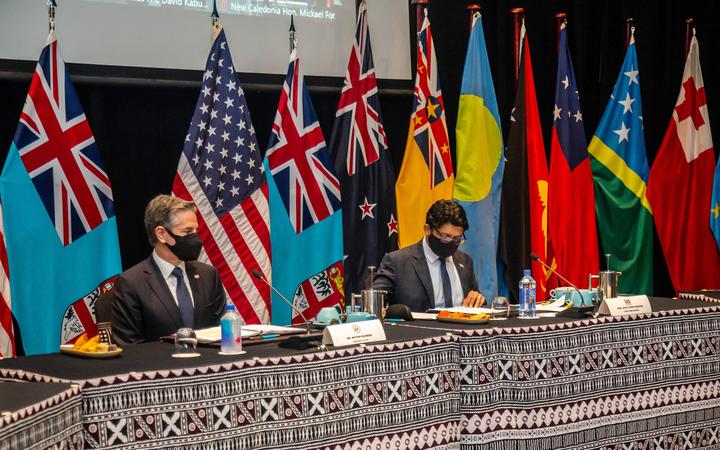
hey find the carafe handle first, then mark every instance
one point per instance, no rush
(590, 278)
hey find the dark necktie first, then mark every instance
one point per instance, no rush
(183, 298)
(447, 289)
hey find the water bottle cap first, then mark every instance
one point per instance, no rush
(230, 307)
(526, 272)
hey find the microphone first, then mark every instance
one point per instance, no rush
(256, 273)
(536, 258)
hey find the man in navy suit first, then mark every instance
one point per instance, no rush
(433, 273)
(170, 289)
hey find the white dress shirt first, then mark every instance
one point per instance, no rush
(166, 270)
(433, 262)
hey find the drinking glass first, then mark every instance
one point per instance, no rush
(500, 308)
(185, 343)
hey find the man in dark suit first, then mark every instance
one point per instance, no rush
(433, 273)
(170, 289)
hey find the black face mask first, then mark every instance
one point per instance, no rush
(440, 248)
(187, 247)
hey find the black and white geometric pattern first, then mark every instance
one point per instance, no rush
(54, 423)
(404, 393)
(637, 382)
(609, 383)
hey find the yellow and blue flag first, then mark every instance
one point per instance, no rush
(426, 174)
(620, 172)
(480, 161)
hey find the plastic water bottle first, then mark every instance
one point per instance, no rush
(230, 335)
(527, 296)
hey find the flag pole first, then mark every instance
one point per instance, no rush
(214, 22)
(52, 4)
(629, 31)
(291, 30)
(472, 9)
(689, 33)
(560, 20)
(421, 6)
(518, 20)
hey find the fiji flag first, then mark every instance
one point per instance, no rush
(57, 207)
(571, 199)
(480, 161)
(359, 146)
(305, 207)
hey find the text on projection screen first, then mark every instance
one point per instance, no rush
(175, 34)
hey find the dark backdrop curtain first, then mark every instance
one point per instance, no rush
(140, 117)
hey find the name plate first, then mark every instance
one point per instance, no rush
(625, 306)
(354, 333)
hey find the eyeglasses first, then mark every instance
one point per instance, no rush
(446, 238)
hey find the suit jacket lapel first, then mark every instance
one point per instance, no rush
(462, 272)
(162, 291)
(423, 273)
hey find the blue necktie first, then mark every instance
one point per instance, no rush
(447, 289)
(183, 298)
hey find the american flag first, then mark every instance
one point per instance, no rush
(221, 170)
(7, 336)
(298, 158)
(59, 152)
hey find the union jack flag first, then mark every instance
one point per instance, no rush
(221, 171)
(58, 149)
(298, 158)
(359, 99)
(428, 121)
(359, 146)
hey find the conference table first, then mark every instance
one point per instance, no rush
(40, 416)
(650, 381)
(647, 381)
(401, 393)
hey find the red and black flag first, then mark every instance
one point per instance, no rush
(525, 186)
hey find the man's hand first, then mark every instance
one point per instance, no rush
(474, 299)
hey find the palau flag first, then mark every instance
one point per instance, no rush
(305, 207)
(426, 174)
(620, 171)
(680, 186)
(571, 199)
(525, 194)
(359, 147)
(480, 161)
(57, 203)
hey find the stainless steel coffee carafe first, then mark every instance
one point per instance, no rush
(607, 282)
(373, 300)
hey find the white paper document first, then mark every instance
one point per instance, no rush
(210, 335)
(465, 309)
(556, 306)
(424, 316)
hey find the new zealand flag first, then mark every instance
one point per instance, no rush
(359, 147)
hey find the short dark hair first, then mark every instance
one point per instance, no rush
(161, 212)
(446, 211)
